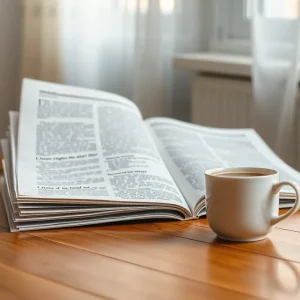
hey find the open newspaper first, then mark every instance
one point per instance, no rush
(75, 157)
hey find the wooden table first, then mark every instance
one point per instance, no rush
(162, 260)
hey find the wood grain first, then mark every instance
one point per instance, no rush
(292, 223)
(158, 260)
(19, 285)
(194, 260)
(98, 274)
(279, 244)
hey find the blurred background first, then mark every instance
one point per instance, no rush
(221, 63)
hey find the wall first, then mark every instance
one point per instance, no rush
(10, 21)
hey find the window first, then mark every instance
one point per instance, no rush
(231, 21)
(231, 27)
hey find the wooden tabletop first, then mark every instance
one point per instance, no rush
(159, 260)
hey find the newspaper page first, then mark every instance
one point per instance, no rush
(15, 223)
(48, 215)
(76, 143)
(189, 150)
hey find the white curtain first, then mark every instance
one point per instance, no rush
(127, 47)
(276, 34)
(10, 16)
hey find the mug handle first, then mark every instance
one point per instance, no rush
(276, 189)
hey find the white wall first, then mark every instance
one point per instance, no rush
(10, 20)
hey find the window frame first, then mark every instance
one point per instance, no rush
(221, 40)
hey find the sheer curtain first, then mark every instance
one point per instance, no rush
(127, 46)
(276, 34)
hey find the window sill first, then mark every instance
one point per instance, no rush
(215, 63)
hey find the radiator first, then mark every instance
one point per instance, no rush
(221, 102)
(227, 103)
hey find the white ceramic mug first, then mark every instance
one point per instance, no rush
(242, 203)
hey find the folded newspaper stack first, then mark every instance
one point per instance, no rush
(75, 157)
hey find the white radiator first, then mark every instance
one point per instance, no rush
(227, 103)
(221, 102)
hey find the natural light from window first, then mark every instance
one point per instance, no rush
(166, 6)
(144, 6)
(281, 9)
(287, 9)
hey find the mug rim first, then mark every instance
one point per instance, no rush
(265, 172)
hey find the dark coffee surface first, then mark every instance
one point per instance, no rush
(239, 174)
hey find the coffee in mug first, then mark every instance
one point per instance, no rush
(238, 174)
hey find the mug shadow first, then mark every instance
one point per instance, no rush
(283, 275)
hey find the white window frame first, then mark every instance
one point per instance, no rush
(221, 40)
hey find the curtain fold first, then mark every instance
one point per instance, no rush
(40, 40)
(10, 33)
(275, 74)
(127, 47)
